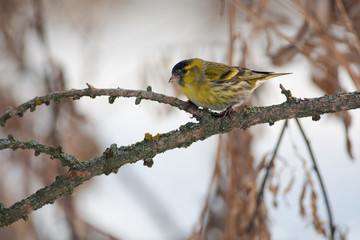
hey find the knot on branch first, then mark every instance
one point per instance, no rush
(288, 94)
(316, 117)
(109, 152)
(91, 90)
(78, 173)
(149, 162)
(271, 122)
(11, 137)
(246, 111)
(138, 100)
(112, 99)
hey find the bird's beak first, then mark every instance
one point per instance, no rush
(174, 78)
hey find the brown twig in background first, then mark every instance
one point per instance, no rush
(329, 42)
(269, 25)
(214, 178)
(317, 171)
(267, 171)
(348, 24)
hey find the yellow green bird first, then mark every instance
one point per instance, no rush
(217, 86)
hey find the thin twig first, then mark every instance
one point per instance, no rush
(54, 152)
(262, 187)
(93, 92)
(317, 171)
(287, 93)
(348, 23)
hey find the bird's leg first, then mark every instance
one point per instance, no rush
(226, 112)
(191, 104)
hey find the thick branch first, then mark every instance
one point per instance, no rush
(208, 125)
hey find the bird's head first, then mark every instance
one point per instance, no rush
(187, 72)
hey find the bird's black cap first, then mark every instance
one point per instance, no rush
(180, 65)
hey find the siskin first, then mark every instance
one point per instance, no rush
(217, 86)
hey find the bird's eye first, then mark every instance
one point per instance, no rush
(184, 71)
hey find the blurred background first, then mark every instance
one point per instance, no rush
(208, 190)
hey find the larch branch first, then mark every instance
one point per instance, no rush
(207, 125)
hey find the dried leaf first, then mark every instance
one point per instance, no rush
(261, 165)
(274, 189)
(290, 185)
(302, 197)
(318, 225)
(325, 74)
(352, 56)
(261, 6)
(348, 147)
(346, 117)
(284, 55)
(313, 203)
(275, 204)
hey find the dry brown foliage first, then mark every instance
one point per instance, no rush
(62, 125)
(328, 37)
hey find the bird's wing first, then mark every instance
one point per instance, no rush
(223, 74)
(220, 74)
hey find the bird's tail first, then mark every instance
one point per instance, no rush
(268, 75)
